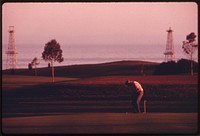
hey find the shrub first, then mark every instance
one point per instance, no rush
(184, 66)
(172, 68)
(166, 68)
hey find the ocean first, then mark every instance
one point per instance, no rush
(91, 54)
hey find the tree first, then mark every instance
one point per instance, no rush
(52, 52)
(184, 66)
(35, 62)
(29, 66)
(189, 47)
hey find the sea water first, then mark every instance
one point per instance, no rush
(91, 54)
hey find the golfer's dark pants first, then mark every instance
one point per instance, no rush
(136, 101)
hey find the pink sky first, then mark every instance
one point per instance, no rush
(99, 23)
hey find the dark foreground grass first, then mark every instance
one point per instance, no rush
(98, 105)
(61, 98)
(103, 123)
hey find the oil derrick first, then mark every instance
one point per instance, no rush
(11, 62)
(169, 52)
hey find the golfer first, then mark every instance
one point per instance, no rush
(136, 94)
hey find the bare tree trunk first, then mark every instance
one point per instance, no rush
(52, 71)
(191, 65)
(35, 70)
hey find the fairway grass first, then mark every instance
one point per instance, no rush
(13, 81)
(149, 79)
(22, 95)
(98, 105)
(103, 123)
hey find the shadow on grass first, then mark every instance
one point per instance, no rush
(61, 98)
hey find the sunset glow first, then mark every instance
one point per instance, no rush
(99, 23)
(114, 25)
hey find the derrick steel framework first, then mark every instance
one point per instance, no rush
(169, 52)
(11, 62)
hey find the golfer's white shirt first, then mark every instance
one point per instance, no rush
(138, 86)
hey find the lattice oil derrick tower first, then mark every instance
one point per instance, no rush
(169, 52)
(11, 62)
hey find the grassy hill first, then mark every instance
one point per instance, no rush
(93, 70)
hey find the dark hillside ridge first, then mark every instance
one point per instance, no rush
(93, 70)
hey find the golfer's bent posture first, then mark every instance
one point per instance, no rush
(136, 94)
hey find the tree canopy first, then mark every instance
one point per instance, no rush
(52, 51)
(191, 37)
(35, 62)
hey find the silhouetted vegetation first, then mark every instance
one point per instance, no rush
(189, 47)
(52, 52)
(29, 66)
(171, 68)
(34, 63)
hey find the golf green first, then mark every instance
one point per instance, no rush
(103, 123)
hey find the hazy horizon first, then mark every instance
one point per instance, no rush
(95, 25)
